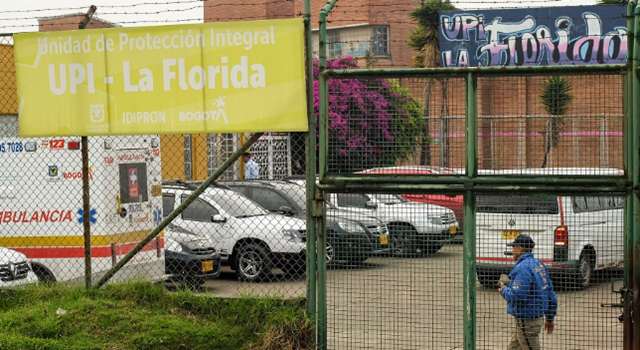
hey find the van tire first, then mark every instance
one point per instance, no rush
(252, 262)
(584, 271)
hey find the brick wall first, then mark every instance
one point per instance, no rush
(70, 22)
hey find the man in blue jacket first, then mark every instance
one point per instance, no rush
(529, 295)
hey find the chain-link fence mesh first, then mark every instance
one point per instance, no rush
(412, 297)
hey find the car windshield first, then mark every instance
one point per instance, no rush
(236, 204)
(518, 204)
(299, 195)
(388, 198)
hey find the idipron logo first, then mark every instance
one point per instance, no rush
(96, 113)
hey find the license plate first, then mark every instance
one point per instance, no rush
(207, 265)
(453, 229)
(383, 239)
(510, 234)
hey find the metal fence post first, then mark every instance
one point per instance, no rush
(86, 204)
(469, 263)
(310, 168)
(635, 173)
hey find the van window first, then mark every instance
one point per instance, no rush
(518, 204)
(583, 204)
(198, 210)
(352, 200)
(168, 202)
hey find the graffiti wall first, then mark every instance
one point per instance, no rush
(543, 36)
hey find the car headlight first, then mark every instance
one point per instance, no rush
(350, 226)
(295, 235)
(173, 246)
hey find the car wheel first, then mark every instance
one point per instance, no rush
(488, 280)
(402, 243)
(329, 253)
(432, 248)
(43, 274)
(253, 262)
(584, 273)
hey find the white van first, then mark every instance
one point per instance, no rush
(41, 204)
(574, 235)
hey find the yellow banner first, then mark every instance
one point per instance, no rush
(212, 77)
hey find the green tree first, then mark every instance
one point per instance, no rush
(424, 40)
(556, 97)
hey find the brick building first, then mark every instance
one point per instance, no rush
(375, 31)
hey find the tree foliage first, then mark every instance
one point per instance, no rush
(424, 39)
(372, 122)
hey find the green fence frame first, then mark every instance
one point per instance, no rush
(471, 183)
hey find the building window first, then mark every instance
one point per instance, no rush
(359, 41)
(334, 44)
(380, 41)
(188, 168)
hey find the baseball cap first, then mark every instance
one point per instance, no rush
(523, 241)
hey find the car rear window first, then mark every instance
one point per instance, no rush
(517, 204)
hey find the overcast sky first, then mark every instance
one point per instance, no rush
(20, 15)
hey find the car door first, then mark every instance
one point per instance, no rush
(198, 218)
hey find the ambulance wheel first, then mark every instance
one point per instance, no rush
(44, 274)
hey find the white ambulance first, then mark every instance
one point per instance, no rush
(41, 204)
(574, 235)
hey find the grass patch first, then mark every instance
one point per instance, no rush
(145, 316)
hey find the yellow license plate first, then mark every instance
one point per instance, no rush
(510, 234)
(453, 229)
(383, 239)
(207, 265)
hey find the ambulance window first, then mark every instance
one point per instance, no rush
(198, 210)
(579, 204)
(133, 183)
(168, 202)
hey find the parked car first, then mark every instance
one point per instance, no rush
(574, 235)
(415, 228)
(15, 269)
(351, 237)
(189, 258)
(453, 202)
(248, 238)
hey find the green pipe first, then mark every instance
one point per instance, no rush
(192, 197)
(469, 263)
(458, 189)
(323, 89)
(616, 181)
(630, 104)
(463, 71)
(310, 167)
(469, 271)
(321, 309)
(635, 174)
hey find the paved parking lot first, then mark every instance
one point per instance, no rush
(416, 303)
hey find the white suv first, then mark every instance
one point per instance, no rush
(15, 269)
(414, 227)
(249, 238)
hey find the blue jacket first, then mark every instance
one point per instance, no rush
(530, 293)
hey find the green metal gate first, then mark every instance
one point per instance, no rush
(398, 301)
